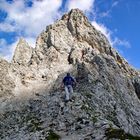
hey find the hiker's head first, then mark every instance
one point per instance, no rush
(68, 74)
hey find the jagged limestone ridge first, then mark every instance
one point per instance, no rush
(23, 53)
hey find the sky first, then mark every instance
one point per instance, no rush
(118, 20)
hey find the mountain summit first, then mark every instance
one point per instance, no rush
(105, 103)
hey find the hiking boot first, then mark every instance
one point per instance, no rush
(70, 100)
(66, 101)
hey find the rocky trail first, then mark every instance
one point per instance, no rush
(49, 117)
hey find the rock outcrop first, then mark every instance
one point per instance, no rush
(7, 83)
(22, 53)
(136, 83)
(106, 99)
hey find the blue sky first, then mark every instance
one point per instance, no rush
(119, 20)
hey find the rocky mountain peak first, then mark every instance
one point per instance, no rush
(105, 101)
(21, 41)
(22, 53)
(75, 15)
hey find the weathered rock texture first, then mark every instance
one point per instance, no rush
(6, 82)
(106, 97)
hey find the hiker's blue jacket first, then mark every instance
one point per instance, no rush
(68, 80)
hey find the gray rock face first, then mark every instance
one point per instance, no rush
(6, 82)
(106, 96)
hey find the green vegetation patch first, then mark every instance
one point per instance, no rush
(94, 119)
(88, 95)
(119, 134)
(35, 125)
(53, 136)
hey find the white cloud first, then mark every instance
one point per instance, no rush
(2, 42)
(6, 27)
(103, 29)
(109, 10)
(119, 42)
(31, 20)
(115, 42)
(8, 56)
(84, 5)
(115, 3)
(7, 50)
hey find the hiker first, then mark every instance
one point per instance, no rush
(68, 83)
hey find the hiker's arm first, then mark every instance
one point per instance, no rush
(62, 85)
